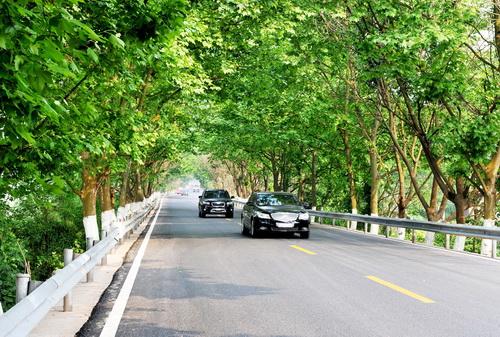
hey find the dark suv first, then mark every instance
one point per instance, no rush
(215, 202)
(274, 212)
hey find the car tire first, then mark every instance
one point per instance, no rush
(304, 235)
(254, 232)
(202, 214)
(244, 230)
(230, 215)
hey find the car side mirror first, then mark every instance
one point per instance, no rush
(232, 197)
(306, 205)
(199, 197)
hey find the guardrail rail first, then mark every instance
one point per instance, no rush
(480, 232)
(22, 318)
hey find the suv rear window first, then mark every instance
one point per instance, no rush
(215, 194)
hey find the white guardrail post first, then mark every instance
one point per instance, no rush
(68, 258)
(90, 274)
(22, 284)
(19, 320)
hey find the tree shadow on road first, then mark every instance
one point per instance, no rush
(180, 283)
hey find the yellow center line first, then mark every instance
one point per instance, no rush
(303, 250)
(399, 289)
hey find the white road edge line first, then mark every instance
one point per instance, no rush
(115, 316)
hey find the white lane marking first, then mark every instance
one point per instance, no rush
(115, 316)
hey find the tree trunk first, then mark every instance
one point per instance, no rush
(276, 175)
(122, 209)
(489, 188)
(88, 196)
(139, 193)
(460, 202)
(107, 207)
(374, 175)
(496, 19)
(350, 175)
(314, 179)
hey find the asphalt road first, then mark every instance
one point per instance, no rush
(201, 277)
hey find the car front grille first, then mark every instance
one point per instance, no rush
(218, 204)
(284, 216)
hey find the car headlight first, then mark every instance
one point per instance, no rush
(304, 216)
(229, 203)
(262, 215)
(206, 202)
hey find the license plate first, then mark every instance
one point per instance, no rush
(284, 224)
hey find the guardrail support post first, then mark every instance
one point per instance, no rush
(493, 249)
(387, 230)
(365, 227)
(1, 309)
(90, 274)
(22, 283)
(68, 299)
(447, 241)
(413, 238)
(104, 260)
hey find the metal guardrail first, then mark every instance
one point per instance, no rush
(480, 232)
(492, 233)
(24, 316)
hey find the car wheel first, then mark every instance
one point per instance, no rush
(253, 231)
(244, 230)
(304, 235)
(230, 215)
(199, 213)
(202, 214)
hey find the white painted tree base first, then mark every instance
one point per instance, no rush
(91, 229)
(429, 238)
(486, 245)
(122, 213)
(353, 224)
(107, 218)
(459, 243)
(374, 228)
(401, 233)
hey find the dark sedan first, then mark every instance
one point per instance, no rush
(274, 212)
(215, 202)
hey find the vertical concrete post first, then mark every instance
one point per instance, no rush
(413, 237)
(104, 260)
(22, 283)
(68, 299)
(387, 231)
(493, 249)
(90, 274)
(447, 241)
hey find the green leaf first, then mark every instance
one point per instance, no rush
(93, 55)
(26, 135)
(3, 42)
(116, 41)
(18, 60)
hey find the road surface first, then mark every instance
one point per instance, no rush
(201, 277)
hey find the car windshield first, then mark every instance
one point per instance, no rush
(216, 194)
(276, 199)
